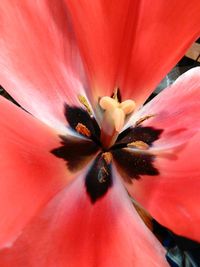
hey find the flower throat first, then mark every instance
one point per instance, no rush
(106, 144)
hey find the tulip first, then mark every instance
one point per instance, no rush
(82, 143)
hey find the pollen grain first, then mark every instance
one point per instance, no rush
(82, 129)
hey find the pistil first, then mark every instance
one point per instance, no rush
(114, 118)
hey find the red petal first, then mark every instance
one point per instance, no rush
(133, 44)
(73, 232)
(40, 63)
(30, 174)
(173, 196)
(164, 31)
(101, 28)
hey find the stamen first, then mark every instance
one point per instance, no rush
(99, 179)
(82, 99)
(82, 129)
(107, 156)
(102, 175)
(138, 144)
(141, 120)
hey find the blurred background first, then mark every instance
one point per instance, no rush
(190, 60)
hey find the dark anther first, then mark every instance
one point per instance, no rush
(146, 134)
(76, 115)
(98, 179)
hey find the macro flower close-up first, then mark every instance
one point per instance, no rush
(80, 152)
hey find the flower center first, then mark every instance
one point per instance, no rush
(114, 118)
(107, 144)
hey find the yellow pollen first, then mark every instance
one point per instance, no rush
(117, 111)
(82, 129)
(139, 144)
(107, 156)
(82, 99)
(141, 120)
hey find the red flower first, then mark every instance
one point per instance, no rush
(56, 55)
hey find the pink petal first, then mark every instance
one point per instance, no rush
(40, 63)
(173, 196)
(176, 110)
(132, 44)
(30, 174)
(72, 232)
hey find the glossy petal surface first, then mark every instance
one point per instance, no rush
(173, 196)
(72, 232)
(39, 59)
(132, 44)
(30, 174)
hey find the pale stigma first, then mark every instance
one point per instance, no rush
(117, 111)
